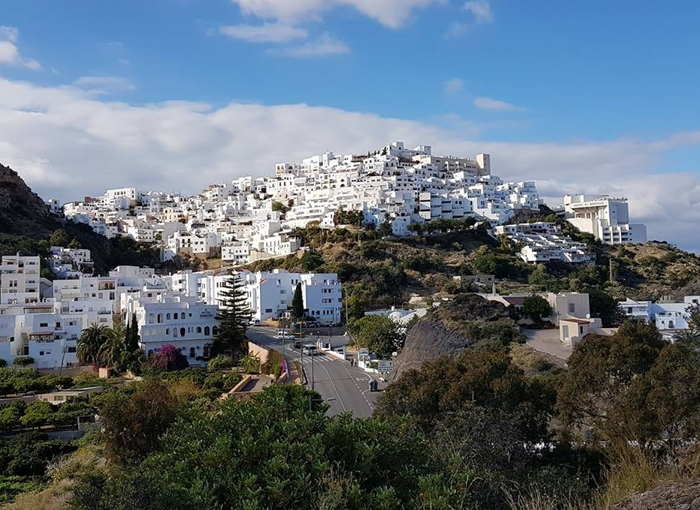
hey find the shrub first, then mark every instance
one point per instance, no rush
(23, 361)
(220, 362)
(169, 358)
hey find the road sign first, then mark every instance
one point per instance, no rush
(363, 353)
(385, 366)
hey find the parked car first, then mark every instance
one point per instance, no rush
(297, 344)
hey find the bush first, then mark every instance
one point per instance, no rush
(23, 361)
(169, 358)
(3, 363)
(250, 364)
(220, 362)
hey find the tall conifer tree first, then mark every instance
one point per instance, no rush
(233, 318)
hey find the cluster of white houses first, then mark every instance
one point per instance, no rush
(45, 321)
(606, 218)
(252, 218)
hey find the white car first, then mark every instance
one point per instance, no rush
(283, 335)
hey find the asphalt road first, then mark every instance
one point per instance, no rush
(344, 388)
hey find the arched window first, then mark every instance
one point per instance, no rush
(175, 316)
(192, 352)
(167, 317)
(199, 329)
(205, 351)
(167, 331)
(160, 318)
(206, 330)
(151, 317)
(214, 330)
(182, 331)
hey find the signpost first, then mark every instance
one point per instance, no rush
(385, 366)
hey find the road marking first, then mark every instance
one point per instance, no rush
(334, 388)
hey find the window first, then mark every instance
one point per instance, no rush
(572, 308)
(199, 329)
(175, 316)
(182, 331)
(206, 331)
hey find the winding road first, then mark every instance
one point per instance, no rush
(344, 388)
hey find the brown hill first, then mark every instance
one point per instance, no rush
(22, 212)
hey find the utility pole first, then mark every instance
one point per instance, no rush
(313, 379)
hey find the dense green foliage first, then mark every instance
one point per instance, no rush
(379, 334)
(536, 308)
(274, 452)
(27, 380)
(633, 386)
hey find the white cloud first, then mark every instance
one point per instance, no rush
(391, 13)
(265, 33)
(482, 14)
(9, 52)
(481, 9)
(322, 47)
(486, 103)
(104, 85)
(68, 143)
(454, 86)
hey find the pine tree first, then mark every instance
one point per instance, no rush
(233, 318)
(298, 303)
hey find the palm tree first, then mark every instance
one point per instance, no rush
(110, 352)
(689, 337)
(90, 343)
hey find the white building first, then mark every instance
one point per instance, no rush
(181, 321)
(19, 280)
(607, 218)
(670, 317)
(269, 294)
(544, 242)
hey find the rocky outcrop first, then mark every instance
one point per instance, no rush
(22, 212)
(450, 328)
(667, 497)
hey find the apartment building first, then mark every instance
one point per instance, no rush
(19, 280)
(607, 218)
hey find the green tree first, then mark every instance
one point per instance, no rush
(131, 337)
(220, 362)
(385, 229)
(477, 378)
(133, 423)
(90, 343)
(604, 307)
(233, 318)
(60, 238)
(601, 371)
(536, 308)
(379, 334)
(110, 352)
(298, 303)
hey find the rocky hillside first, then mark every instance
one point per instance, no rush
(456, 325)
(667, 497)
(22, 212)
(27, 226)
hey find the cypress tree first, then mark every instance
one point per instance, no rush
(298, 303)
(132, 338)
(233, 318)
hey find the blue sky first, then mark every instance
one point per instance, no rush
(594, 96)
